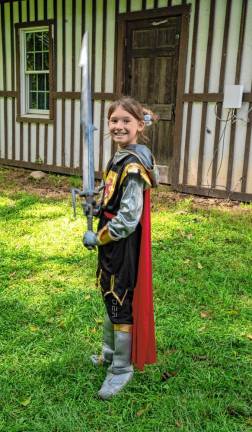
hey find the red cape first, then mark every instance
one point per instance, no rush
(143, 343)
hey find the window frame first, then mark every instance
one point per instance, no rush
(23, 112)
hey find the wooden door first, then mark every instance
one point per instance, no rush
(151, 69)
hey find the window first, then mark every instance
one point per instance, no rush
(34, 71)
(37, 71)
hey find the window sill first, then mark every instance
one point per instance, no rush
(31, 118)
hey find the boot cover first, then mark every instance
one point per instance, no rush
(121, 370)
(106, 356)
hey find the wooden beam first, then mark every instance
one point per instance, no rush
(12, 31)
(104, 33)
(46, 168)
(191, 87)
(221, 85)
(55, 11)
(206, 86)
(179, 97)
(237, 81)
(160, 12)
(73, 83)
(26, 119)
(63, 112)
(4, 81)
(215, 193)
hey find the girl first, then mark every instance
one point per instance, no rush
(124, 255)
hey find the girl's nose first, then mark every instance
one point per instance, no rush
(119, 124)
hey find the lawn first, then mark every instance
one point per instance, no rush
(51, 317)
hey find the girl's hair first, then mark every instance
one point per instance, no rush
(133, 107)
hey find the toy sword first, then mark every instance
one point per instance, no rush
(88, 191)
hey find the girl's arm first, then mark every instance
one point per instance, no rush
(129, 214)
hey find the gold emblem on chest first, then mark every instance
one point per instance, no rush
(110, 185)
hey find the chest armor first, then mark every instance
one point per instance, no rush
(114, 177)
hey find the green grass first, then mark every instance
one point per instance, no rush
(51, 321)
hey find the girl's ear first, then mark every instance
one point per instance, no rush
(141, 125)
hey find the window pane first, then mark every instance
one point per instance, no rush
(47, 100)
(45, 61)
(38, 61)
(45, 41)
(41, 82)
(30, 62)
(32, 82)
(41, 100)
(33, 100)
(38, 41)
(46, 81)
(29, 42)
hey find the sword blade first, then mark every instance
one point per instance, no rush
(86, 119)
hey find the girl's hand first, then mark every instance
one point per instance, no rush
(90, 240)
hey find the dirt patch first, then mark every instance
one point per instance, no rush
(59, 186)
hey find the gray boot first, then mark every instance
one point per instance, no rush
(106, 356)
(121, 370)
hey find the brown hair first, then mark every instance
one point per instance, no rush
(133, 107)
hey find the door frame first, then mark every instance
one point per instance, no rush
(122, 20)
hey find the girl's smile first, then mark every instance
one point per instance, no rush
(124, 127)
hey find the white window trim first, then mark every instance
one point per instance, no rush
(25, 112)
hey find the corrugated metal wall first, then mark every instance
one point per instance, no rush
(219, 53)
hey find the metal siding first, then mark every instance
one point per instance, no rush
(194, 144)
(233, 41)
(76, 134)
(68, 51)
(41, 9)
(136, 5)
(25, 142)
(239, 148)
(220, 11)
(200, 63)
(149, 4)
(67, 132)
(107, 140)
(7, 45)
(1, 57)
(32, 10)
(189, 54)
(41, 142)
(110, 44)
(97, 116)
(98, 46)
(209, 145)
(50, 145)
(50, 9)
(122, 6)
(183, 136)
(78, 40)
(59, 132)
(59, 59)
(2, 128)
(33, 143)
(249, 178)
(246, 67)
(222, 165)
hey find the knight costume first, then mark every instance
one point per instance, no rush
(124, 266)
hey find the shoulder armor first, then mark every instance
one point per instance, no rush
(137, 169)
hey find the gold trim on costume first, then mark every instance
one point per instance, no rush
(126, 328)
(111, 291)
(104, 236)
(135, 168)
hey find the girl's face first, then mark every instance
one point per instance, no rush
(124, 127)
